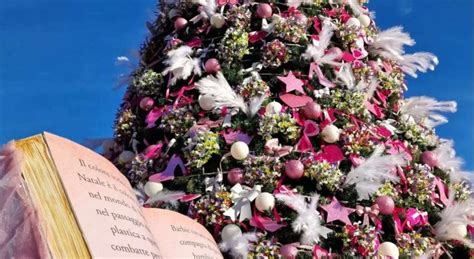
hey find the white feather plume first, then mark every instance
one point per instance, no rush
(356, 8)
(316, 50)
(308, 220)
(297, 3)
(389, 43)
(461, 213)
(239, 246)
(420, 61)
(181, 64)
(345, 76)
(449, 162)
(224, 96)
(425, 110)
(166, 196)
(371, 174)
(209, 8)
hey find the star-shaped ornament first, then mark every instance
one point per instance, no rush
(292, 83)
(336, 211)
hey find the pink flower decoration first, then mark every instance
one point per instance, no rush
(311, 128)
(330, 154)
(153, 116)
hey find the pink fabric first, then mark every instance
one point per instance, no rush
(20, 235)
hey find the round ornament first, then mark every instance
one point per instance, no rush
(388, 249)
(239, 150)
(429, 158)
(265, 202)
(273, 108)
(180, 23)
(386, 204)
(152, 188)
(217, 20)
(312, 110)
(230, 232)
(212, 66)
(364, 20)
(264, 11)
(353, 23)
(331, 134)
(206, 102)
(146, 103)
(126, 157)
(289, 251)
(294, 169)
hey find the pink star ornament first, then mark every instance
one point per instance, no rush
(292, 83)
(336, 211)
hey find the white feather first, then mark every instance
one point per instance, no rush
(425, 110)
(345, 76)
(371, 174)
(308, 220)
(181, 64)
(420, 61)
(209, 7)
(389, 43)
(297, 3)
(239, 246)
(224, 96)
(459, 213)
(166, 196)
(316, 50)
(449, 162)
(356, 8)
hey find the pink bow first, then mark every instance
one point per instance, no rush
(224, 2)
(415, 217)
(272, 147)
(369, 212)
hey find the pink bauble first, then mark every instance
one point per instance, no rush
(429, 158)
(212, 66)
(301, 18)
(180, 23)
(264, 11)
(294, 169)
(386, 205)
(235, 175)
(288, 251)
(312, 110)
(146, 103)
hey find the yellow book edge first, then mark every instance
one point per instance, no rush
(41, 180)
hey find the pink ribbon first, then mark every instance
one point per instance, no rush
(314, 68)
(413, 218)
(369, 212)
(272, 147)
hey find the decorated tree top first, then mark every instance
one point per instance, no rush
(282, 127)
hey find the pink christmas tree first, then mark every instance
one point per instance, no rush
(282, 127)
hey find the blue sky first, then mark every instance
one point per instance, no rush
(57, 62)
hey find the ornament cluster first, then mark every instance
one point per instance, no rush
(282, 127)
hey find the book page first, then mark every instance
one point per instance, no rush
(104, 204)
(178, 236)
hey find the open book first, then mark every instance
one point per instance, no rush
(83, 207)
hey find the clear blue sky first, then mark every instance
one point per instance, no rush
(57, 62)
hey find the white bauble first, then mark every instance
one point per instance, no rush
(265, 202)
(217, 20)
(353, 23)
(206, 102)
(152, 188)
(364, 20)
(388, 249)
(457, 230)
(331, 134)
(126, 157)
(239, 150)
(273, 108)
(230, 232)
(108, 145)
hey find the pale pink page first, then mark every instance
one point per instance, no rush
(104, 204)
(178, 236)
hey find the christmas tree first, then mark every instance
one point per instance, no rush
(283, 128)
